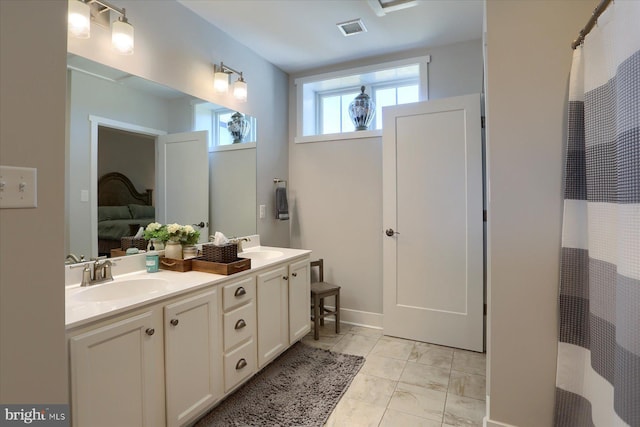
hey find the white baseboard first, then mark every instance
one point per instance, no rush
(358, 318)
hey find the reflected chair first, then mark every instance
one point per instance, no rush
(319, 291)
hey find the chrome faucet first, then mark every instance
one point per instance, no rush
(73, 259)
(98, 271)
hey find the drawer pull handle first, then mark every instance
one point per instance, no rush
(240, 291)
(174, 322)
(294, 274)
(241, 364)
(240, 324)
(150, 331)
(285, 277)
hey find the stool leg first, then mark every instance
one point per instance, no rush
(316, 318)
(322, 311)
(338, 313)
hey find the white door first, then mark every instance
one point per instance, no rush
(183, 180)
(432, 215)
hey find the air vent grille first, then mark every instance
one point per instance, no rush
(352, 27)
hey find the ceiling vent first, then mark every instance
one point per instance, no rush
(382, 7)
(352, 27)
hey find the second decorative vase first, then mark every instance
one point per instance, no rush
(238, 127)
(361, 110)
(173, 250)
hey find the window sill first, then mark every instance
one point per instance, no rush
(338, 136)
(233, 147)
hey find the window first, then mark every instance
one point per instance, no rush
(214, 119)
(323, 100)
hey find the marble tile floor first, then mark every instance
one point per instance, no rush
(405, 383)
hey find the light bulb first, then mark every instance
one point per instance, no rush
(240, 90)
(79, 19)
(122, 36)
(220, 81)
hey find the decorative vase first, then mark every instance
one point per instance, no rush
(361, 110)
(238, 127)
(155, 245)
(173, 250)
(189, 251)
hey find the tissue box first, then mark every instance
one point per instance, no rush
(133, 242)
(223, 253)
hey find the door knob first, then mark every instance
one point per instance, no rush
(201, 224)
(390, 232)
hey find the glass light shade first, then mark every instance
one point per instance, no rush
(240, 90)
(122, 37)
(79, 19)
(220, 81)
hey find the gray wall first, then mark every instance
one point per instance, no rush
(33, 363)
(336, 187)
(528, 64)
(181, 56)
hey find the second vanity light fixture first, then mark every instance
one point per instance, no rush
(221, 81)
(80, 23)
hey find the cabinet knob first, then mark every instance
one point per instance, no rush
(240, 291)
(241, 364)
(240, 324)
(150, 331)
(294, 274)
(285, 277)
(174, 322)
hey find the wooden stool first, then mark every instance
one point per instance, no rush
(319, 291)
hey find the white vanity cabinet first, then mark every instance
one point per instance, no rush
(299, 300)
(117, 372)
(239, 320)
(283, 308)
(273, 305)
(192, 351)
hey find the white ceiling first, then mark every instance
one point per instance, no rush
(298, 35)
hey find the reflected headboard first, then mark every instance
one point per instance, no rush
(115, 189)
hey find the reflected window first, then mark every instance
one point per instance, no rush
(216, 121)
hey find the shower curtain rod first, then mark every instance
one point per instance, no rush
(591, 23)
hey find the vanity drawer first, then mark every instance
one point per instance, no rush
(238, 293)
(239, 325)
(239, 364)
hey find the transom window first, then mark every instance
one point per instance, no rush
(323, 100)
(214, 119)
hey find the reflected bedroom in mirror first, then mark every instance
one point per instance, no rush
(139, 152)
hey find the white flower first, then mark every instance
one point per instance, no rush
(187, 229)
(154, 226)
(173, 228)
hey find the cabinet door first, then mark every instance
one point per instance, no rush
(299, 295)
(273, 331)
(193, 356)
(114, 374)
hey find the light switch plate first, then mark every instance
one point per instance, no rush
(263, 211)
(18, 187)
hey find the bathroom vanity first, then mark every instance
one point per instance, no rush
(161, 349)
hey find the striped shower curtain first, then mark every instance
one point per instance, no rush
(598, 373)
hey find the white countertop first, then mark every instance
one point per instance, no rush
(78, 313)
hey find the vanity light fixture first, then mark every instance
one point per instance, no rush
(81, 12)
(221, 81)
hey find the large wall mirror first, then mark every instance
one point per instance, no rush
(118, 165)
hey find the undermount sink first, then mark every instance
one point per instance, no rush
(260, 254)
(121, 289)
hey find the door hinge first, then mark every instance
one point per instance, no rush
(484, 216)
(482, 120)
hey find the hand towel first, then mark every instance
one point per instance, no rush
(282, 207)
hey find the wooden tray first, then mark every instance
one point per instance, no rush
(117, 252)
(240, 264)
(172, 264)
